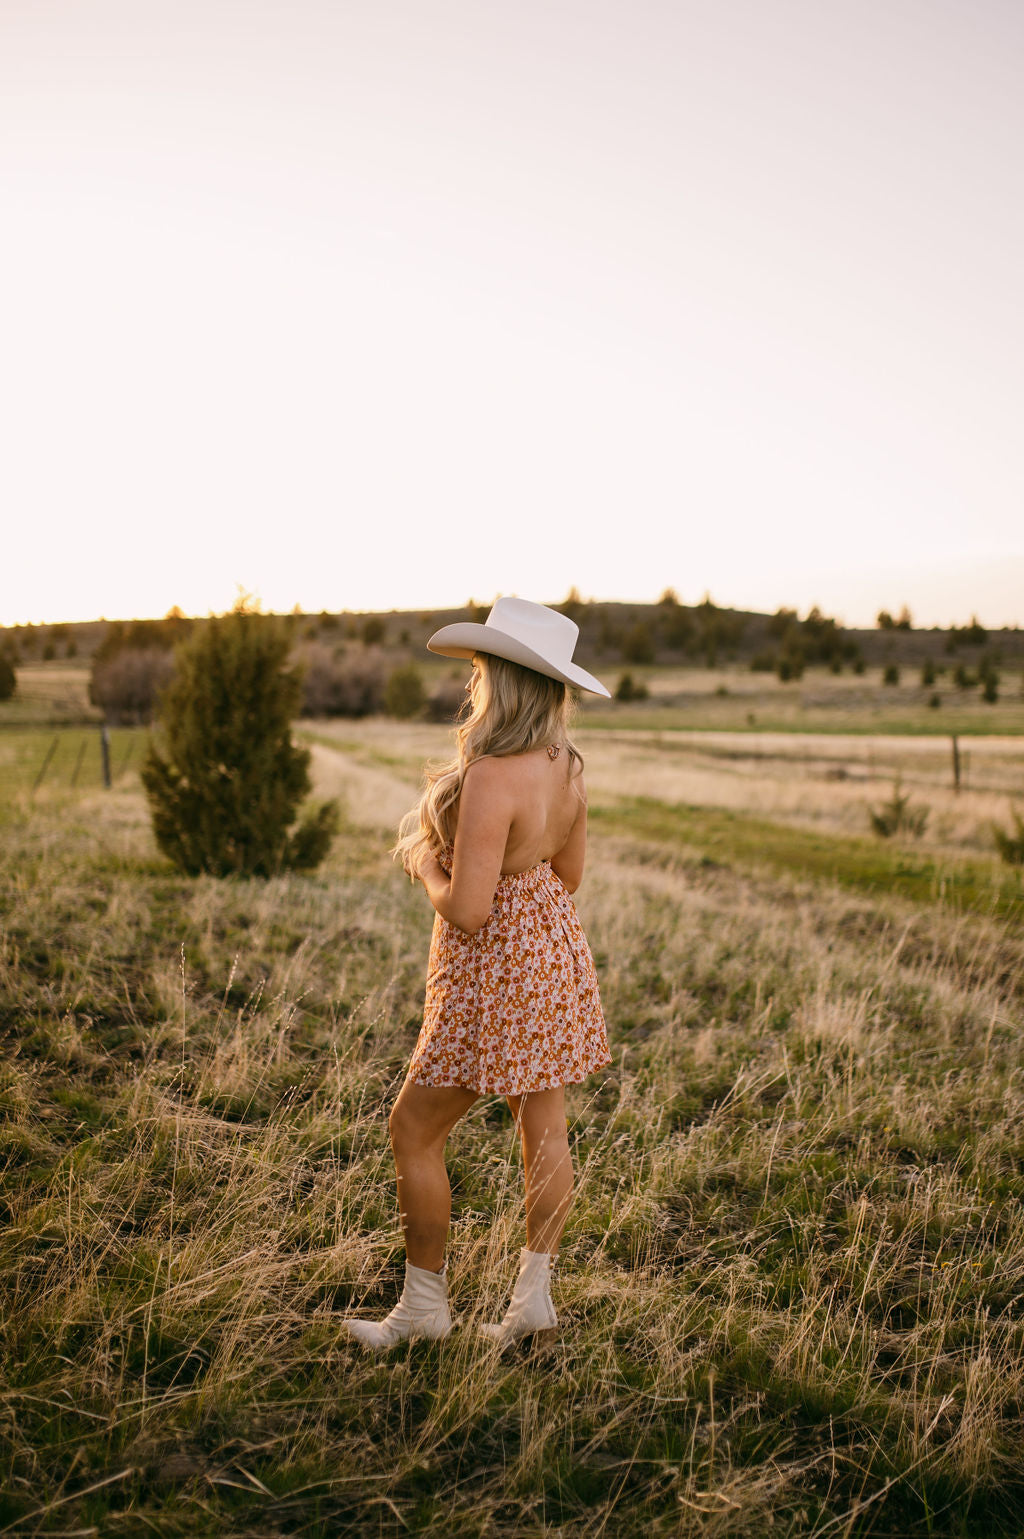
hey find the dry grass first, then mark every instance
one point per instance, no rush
(803, 779)
(790, 1286)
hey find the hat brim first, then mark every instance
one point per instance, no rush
(466, 637)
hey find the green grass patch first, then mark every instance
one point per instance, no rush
(720, 834)
(752, 716)
(59, 758)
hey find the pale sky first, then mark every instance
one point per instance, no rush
(390, 303)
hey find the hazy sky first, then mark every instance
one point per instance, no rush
(387, 305)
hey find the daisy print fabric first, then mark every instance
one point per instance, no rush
(515, 1007)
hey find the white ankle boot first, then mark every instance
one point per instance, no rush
(531, 1308)
(421, 1311)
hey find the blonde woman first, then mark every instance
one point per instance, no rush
(512, 1003)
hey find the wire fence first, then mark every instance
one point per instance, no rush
(71, 758)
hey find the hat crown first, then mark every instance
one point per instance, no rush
(541, 629)
(522, 632)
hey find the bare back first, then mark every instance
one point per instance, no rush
(548, 800)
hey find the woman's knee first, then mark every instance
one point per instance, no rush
(546, 1140)
(405, 1129)
(423, 1118)
(542, 1120)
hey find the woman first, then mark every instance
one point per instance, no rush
(512, 1003)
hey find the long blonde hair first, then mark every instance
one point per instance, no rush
(509, 710)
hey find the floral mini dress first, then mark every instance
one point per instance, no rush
(514, 1007)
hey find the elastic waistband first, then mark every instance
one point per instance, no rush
(518, 876)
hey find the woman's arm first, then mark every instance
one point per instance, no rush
(568, 863)
(485, 817)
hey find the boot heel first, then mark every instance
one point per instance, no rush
(531, 1311)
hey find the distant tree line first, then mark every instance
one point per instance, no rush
(136, 663)
(348, 663)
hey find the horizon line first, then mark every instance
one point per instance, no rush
(586, 601)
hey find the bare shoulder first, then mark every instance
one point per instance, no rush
(490, 776)
(486, 770)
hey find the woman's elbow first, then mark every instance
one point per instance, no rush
(469, 922)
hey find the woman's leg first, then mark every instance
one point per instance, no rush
(540, 1118)
(420, 1121)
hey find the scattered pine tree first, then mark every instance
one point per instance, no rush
(629, 688)
(223, 777)
(1010, 846)
(896, 816)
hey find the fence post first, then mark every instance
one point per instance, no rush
(105, 753)
(956, 764)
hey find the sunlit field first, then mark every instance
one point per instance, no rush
(791, 1284)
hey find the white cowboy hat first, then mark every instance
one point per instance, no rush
(531, 634)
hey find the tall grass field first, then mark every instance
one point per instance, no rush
(791, 1287)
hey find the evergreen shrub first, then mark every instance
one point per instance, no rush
(896, 816)
(1010, 845)
(629, 688)
(988, 678)
(404, 695)
(223, 777)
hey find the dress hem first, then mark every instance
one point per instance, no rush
(501, 1089)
